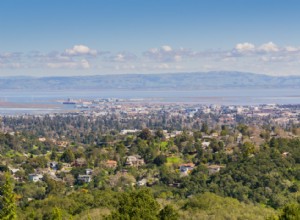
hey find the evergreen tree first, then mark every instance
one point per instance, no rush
(57, 214)
(68, 156)
(168, 213)
(145, 134)
(7, 203)
(53, 155)
(137, 205)
(204, 128)
(290, 212)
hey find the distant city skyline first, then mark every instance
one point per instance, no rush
(91, 37)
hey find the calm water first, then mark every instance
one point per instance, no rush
(48, 100)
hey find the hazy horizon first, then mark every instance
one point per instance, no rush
(152, 73)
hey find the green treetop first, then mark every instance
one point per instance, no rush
(7, 202)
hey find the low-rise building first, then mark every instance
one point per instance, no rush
(80, 162)
(205, 144)
(142, 182)
(212, 169)
(88, 171)
(35, 177)
(111, 164)
(84, 178)
(186, 168)
(53, 165)
(134, 161)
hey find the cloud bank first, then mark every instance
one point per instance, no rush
(268, 58)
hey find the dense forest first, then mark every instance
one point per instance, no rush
(78, 168)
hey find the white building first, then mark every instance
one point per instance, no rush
(35, 177)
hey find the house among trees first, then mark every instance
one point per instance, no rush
(285, 154)
(186, 168)
(212, 169)
(128, 131)
(88, 171)
(62, 143)
(84, 178)
(142, 182)
(53, 165)
(205, 144)
(35, 177)
(111, 164)
(42, 139)
(80, 162)
(13, 170)
(134, 161)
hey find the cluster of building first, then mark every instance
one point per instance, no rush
(128, 109)
(53, 169)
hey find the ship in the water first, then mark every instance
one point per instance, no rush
(69, 102)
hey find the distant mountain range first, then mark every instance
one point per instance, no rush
(170, 81)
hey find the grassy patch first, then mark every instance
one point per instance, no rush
(174, 160)
(163, 145)
(10, 153)
(98, 213)
(34, 147)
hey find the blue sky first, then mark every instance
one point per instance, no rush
(81, 37)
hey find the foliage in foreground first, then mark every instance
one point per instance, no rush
(211, 206)
(7, 200)
(141, 204)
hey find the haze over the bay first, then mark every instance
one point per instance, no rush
(92, 37)
(154, 82)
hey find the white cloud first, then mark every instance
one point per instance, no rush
(245, 47)
(85, 64)
(61, 60)
(11, 60)
(249, 49)
(292, 49)
(166, 54)
(80, 50)
(244, 56)
(153, 50)
(166, 48)
(241, 49)
(119, 58)
(122, 57)
(268, 47)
